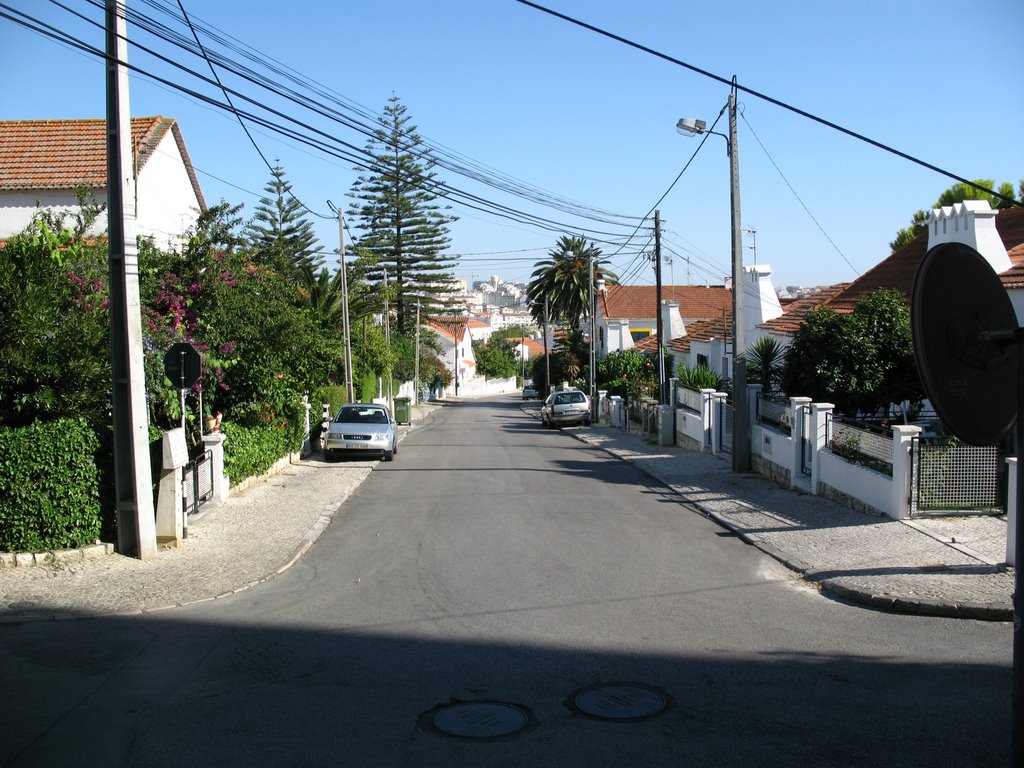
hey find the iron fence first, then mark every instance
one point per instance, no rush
(775, 411)
(860, 444)
(197, 482)
(951, 477)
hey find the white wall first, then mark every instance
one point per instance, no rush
(166, 202)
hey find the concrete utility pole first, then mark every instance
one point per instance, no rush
(416, 362)
(349, 388)
(133, 476)
(741, 414)
(660, 330)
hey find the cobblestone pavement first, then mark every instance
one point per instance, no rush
(938, 566)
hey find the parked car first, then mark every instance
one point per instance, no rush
(362, 429)
(568, 406)
(530, 392)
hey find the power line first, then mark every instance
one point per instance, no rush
(732, 83)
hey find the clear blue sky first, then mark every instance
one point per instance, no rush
(544, 104)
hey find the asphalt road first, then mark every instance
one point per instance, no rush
(496, 561)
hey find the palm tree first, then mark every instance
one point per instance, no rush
(564, 279)
(764, 363)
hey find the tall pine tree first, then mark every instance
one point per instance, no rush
(404, 229)
(279, 233)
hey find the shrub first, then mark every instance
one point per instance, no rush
(251, 451)
(698, 377)
(336, 396)
(49, 486)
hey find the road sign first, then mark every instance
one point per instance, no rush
(182, 365)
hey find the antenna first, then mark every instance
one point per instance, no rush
(963, 328)
(967, 348)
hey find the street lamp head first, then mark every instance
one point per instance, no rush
(689, 126)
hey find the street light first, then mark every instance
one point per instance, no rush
(741, 405)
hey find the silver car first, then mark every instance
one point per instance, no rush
(569, 406)
(362, 429)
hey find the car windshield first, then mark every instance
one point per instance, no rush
(362, 416)
(568, 397)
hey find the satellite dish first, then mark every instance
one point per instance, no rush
(964, 327)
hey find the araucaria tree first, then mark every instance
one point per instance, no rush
(279, 234)
(404, 229)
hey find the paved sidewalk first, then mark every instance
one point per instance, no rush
(944, 567)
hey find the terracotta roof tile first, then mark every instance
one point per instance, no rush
(64, 154)
(454, 328)
(640, 301)
(898, 271)
(789, 322)
(702, 330)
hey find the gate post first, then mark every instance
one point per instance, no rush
(169, 513)
(214, 442)
(902, 469)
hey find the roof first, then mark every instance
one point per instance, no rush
(455, 328)
(702, 330)
(898, 272)
(899, 269)
(789, 322)
(65, 154)
(641, 301)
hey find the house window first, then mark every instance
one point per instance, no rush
(703, 360)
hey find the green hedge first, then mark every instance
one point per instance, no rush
(251, 451)
(49, 486)
(337, 396)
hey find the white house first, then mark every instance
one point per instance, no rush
(44, 162)
(456, 348)
(628, 313)
(708, 341)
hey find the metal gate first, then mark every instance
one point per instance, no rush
(725, 427)
(807, 442)
(197, 482)
(952, 478)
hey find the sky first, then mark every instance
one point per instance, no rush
(525, 102)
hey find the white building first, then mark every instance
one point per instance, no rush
(44, 162)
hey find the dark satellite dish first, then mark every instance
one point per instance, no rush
(963, 326)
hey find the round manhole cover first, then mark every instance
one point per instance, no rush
(620, 701)
(481, 719)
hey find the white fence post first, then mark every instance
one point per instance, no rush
(707, 419)
(798, 406)
(819, 423)
(902, 437)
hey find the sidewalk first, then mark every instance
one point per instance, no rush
(943, 567)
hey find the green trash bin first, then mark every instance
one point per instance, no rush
(403, 410)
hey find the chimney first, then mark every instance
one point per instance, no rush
(973, 223)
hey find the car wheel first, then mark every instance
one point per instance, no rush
(388, 456)
(328, 455)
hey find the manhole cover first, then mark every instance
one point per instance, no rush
(24, 605)
(620, 701)
(481, 719)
